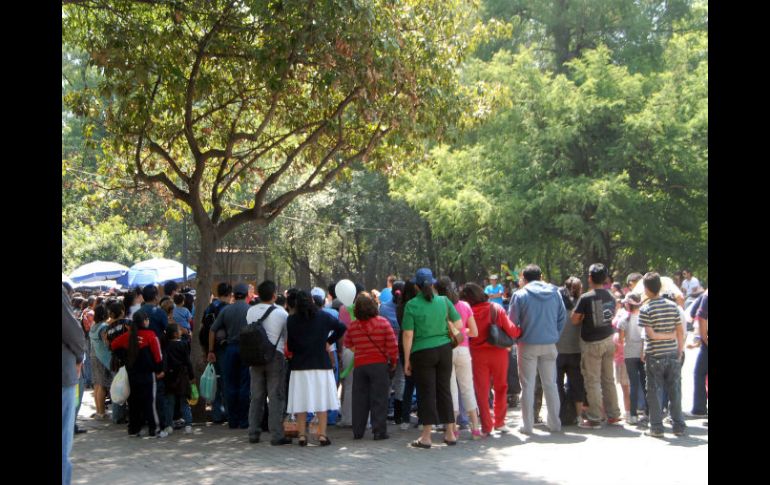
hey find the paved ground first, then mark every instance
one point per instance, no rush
(216, 455)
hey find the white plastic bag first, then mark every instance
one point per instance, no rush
(119, 390)
(208, 383)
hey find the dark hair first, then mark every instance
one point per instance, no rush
(633, 278)
(410, 291)
(91, 300)
(100, 313)
(77, 303)
(652, 282)
(266, 290)
(137, 323)
(116, 309)
(573, 286)
(597, 273)
(189, 299)
(391, 279)
(169, 287)
(616, 286)
(532, 272)
(444, 287)
(164, 298)
(178, 299)
(473, 294)
(359, 288)
(280, 300)
(172, 329)
(318, 300)
(397, 291)
(149, 293)
(224, 289)
(128, 299)
(333, 290)
(426, 290)
(99, 300)
(365, 306)
(303, 303)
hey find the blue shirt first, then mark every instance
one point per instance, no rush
(158, 319)
(386, 295)
(491, 290)
(388, 310)
(182, 316)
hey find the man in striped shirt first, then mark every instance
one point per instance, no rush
(662, 352)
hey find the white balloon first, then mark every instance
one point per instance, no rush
(346, 292)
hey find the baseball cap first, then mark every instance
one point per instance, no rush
(241, 288)
(318, 292)
(493, 277)
(423, 276)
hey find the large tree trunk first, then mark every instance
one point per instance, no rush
(202, 300)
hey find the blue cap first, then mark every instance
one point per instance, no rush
(423, 276)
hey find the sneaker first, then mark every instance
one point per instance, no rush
(589, 424)
(188, 429)
(654, 434)
(282, 441)
(679, 432)
(615, 421)
(168, 430)
(404, 426)
(695, 415)
(668, 420)
(382, 436)
(162, 434)
(632, 420)
(504, 429)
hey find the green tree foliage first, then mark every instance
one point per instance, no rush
(605, 165)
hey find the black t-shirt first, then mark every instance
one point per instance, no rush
(596, 302)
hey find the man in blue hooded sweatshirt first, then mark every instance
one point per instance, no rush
(539, 310)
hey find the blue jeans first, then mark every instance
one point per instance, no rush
(171, 403)
(701, 370)
(665, 373)
(237, 388)
(68, 397)
(160, 403)
(637, 380)
(219, 405)
(86, 371)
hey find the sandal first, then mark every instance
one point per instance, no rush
(325, 442)
(302, 440)
(419, 444)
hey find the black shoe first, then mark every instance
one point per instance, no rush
(282, 441)
(358, 436)
(383, 436)
(81, 431)
(253, 439)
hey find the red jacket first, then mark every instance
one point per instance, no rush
(483, 321)
(147, 338)
(372, 340)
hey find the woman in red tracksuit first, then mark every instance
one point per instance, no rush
(488, 360)
(140, 351)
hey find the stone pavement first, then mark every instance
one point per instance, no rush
(214, 454)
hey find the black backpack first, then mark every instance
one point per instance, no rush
(208, 321)
(254, 345)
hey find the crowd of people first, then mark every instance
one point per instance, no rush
(459, 354)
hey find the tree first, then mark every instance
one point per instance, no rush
(211, 100)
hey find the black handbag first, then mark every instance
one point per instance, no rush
(497, 336)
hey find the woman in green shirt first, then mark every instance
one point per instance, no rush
(428, 356)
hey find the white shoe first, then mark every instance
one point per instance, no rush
(161, 434)
(188, 429)
(504, 429)
(632, 420)
(168, 430)
(404, 426)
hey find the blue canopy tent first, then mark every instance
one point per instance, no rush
(98, 271)
(97, 285)
(66, 279)
(155, 272)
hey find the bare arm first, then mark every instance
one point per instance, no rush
(408, 337)
(577, 318)
(679, 340)
(473, 330)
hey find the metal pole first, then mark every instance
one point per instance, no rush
(184, 247)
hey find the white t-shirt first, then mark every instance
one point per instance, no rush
(275, 324)
(690, 286)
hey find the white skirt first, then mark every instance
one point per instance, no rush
(312, 391)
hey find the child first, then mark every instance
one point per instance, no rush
(632, 338)
(182, 316)
(179, 376)
(140, 350)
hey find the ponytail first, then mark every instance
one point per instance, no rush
(427, 292)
